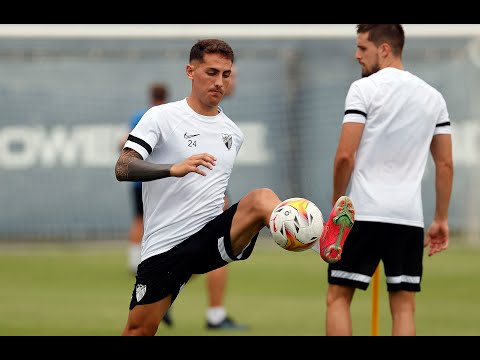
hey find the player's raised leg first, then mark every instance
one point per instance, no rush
(253, 213)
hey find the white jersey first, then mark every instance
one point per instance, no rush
(175, 208)
(401, 114)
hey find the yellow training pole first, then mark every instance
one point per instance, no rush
(375, 295)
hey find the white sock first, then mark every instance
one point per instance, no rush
(134, 253)
(216, 314)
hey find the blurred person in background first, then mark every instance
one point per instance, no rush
(392, 120)
(216, 280)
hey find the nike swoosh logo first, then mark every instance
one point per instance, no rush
(189, 136)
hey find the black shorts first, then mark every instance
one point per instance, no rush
(399, 247)
(210, 248)
(137, 200)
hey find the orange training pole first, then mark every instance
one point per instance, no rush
(375, 295)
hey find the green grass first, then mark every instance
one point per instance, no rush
(74, 289)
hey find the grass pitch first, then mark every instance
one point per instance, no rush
(84, 289)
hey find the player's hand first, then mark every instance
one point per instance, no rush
(436, 237)
(193, 164)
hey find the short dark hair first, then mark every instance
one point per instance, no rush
(392, 34)
(211, 46)
(158, 92)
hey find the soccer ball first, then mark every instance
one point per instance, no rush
(296, 224)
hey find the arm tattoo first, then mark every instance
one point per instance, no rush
(131, 167)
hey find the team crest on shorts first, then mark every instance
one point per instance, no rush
(227, 140)
(140, 291)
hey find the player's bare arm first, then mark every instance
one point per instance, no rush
(131, 167)
(344, 162)
(437, 236)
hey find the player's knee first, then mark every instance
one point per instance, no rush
(337, 295)
(264, 194)
(258, 199)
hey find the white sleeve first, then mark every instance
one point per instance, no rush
(355, 105)
(146, 134)
(443, 122)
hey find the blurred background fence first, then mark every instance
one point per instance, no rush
(67, 92)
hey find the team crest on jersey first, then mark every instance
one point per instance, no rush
(140, 291)
(227, 140)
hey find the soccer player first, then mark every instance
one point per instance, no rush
(392, 120)
(216, 280)
(184, 152)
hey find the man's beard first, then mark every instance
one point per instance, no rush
(374, 69)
